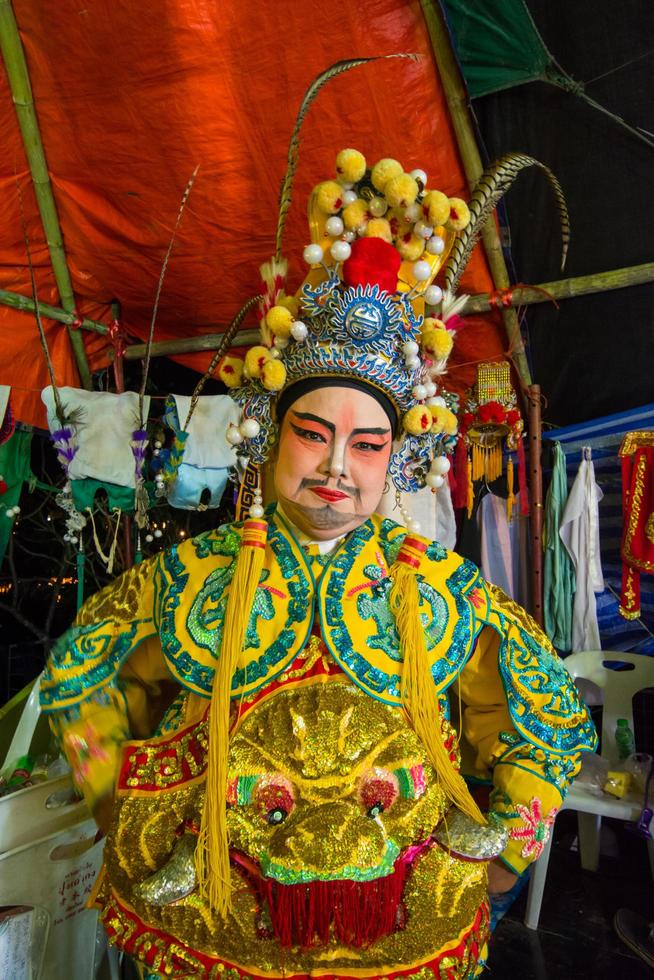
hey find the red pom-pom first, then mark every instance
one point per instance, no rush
(491, 412)
(513, 416)
(372, 262)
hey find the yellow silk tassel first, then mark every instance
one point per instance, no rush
(418, 690)
(510, 500)
(212, 851)
(470, 499)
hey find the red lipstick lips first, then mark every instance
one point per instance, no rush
(329, 495)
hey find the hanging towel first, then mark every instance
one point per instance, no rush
(558, 570)
(579, 532)
(103, 423)
(207, 456)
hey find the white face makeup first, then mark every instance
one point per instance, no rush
(333, 456)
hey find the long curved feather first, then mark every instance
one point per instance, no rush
(491, 187)
(294, 146)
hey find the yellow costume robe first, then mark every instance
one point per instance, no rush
(331, 797)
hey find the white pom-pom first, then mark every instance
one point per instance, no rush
(419, 392)
(312, 254)
(434, 481)
(435, 245)
(233, 436)
(158, 533)
(440, 465)
(341, 251)
(413, 526)
(16, 509)
(423, 230)
(437, 401)
(431, 389)
(412, 213)
(421, 271)
(433, 295)
(410, 348)
(420, 175)
(249, 428)
(157, 444)
(149, 538)
(378, 207)
(334, 226)
(256, 510)
(349, 236)
(413, 362)
(349, 197)
(299, 330)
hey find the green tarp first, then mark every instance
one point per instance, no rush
(497, 44)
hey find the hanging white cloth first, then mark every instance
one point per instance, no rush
(208, 456)
(505, 547)
(579, 532)
(103, 423)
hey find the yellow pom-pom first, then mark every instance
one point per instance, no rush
(432, 323)
(443, 419)
(410, 246)
(399, 224)
(379, 228)
(417, 420)
(255, 359)
(355, 214)
(459, 215)
(230, 371)
(350, 166)
(384, 170)
(279, 321)
(401, 191)
(329, 197)
(291, 303)
(436, 343)
(273, 375)
(436, 207)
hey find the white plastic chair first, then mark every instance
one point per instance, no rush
(618, 687)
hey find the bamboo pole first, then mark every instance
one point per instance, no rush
(457, 101)
(536, 503)
(27, 305)
(13, 55)
(189, 345)
(597, 282)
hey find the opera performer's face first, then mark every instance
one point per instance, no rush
(333, 455)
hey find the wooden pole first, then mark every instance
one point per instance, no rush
(27, 305)
(457, 101)
(536, 502)
(13, 55)
(189, 345)
(598, 282)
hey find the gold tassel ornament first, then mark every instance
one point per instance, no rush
(212, 852)
(418, 692)
(470, 499)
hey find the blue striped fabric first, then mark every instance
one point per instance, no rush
(604, 436)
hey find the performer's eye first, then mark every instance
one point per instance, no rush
(309, 434)
(276, 816)
(375, 810)
(369, 447)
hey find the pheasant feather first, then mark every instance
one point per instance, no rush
(294, 146)
(491, 187)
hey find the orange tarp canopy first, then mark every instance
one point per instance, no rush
(131, 97)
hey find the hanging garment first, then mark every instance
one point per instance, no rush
(434, 512)
(579, 532)
(103, 424)
(504, 547)
(558, 570)
(637, 549)
(207, 456)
